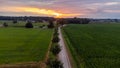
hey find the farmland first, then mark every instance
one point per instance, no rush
(94, 45)
(20, 23)
(19, 44)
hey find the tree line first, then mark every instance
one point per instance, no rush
(26, 18)
(73, 20)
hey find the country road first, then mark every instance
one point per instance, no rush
(63, 55)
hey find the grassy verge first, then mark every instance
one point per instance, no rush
(53, 60)
(73, 55)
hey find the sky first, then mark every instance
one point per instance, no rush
(61, 8)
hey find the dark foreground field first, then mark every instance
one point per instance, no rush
(23, 45)
(94, 45)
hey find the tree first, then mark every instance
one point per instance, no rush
(85, 21)
(55, 49)
(5, 24)
(78, 20)
(56, 32)
(51, 24)
(55, 39)
(29, 25)
(14, 21)
(54, 63)
(62, 21)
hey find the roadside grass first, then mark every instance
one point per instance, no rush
(19, 45)
(94, 45)
(74, 59)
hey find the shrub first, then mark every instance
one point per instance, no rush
(5, 24)
(14, 21)
(55, 39)
(56, 33)
(51, 24)
(43, 25)
(40, 26)
(55, 49)
(29, 25)
(54, 63)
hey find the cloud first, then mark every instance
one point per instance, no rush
(36, 11)
(112, 11)
(66, 8)
(30, 10)
(112, 3)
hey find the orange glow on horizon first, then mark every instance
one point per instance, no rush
(39, 11)
(48, 12)
(67, 15)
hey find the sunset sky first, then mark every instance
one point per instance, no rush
(61, 8)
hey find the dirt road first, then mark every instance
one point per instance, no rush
(63, 55)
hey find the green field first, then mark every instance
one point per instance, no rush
(94, 45)
(23, 45)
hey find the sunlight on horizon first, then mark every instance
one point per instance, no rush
(48, 12)
(39, 11)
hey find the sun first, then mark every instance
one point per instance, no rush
(58, 15)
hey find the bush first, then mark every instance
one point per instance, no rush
(54, 63)
(42, 26)
(15, 21)
(5, 24)
(56, 33)
(55, 49)
(56, 29)
(51, 24)
(29, 25)
(55, 39)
